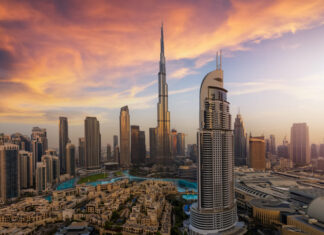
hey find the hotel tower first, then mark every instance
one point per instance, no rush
(215, 211)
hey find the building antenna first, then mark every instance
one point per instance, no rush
(220, 59)
(217, 60)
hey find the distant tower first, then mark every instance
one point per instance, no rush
(81, 153)
(257, 153)
(63, 140)
(174, 142)
(92, 143)
(299, 144)
(70, 159)
(9, 172)
(240, 144)
(124, 124)
(39, 144)
(163, 115)
(142, 147)
(108, 152)
(40, 177)
(314, 151)
(273, 145)
(215, 210)
(52, 164)
(26, 169)
(135, 145)
(153, 144)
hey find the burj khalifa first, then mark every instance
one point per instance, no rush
(163, 115)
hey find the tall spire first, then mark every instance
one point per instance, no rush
(162, 57)
(162, 41)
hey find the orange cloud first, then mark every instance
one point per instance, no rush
(51, 52)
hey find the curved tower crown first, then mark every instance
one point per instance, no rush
(215, 210)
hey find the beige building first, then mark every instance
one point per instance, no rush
(257, 153)
(26, 169)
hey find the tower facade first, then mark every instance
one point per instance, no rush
(215, 210)
(92, 143)
(70, 159)
(124, 124)
(9, 172)
(63, 140)
(257, 153)
(240, 144)
(135, 154)
(163, 115)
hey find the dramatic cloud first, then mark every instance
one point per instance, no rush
(60, 54)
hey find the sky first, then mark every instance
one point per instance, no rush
(90, 58)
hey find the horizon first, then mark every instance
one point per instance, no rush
(272, 69)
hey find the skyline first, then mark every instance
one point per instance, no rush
(266, 63)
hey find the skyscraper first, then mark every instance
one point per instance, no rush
(41, 177)
(92, 143)
(215, 210)
(135, 155)
(257, 153)
(299, 144)
(174, 145)
(26, 169)
(70, 159)
(142, 147)
(163, 115)
(81, 152)
(314, 152)
(39, 143)
(108, 152)
(153, 144)
(63, 140)
(124, 128)
(52, 164)
(9, 172)
(115, 140)
(273, 145)
(240, 144)
(181, 144)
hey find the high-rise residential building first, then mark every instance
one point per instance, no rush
(9, 172)
(174, 145)
(192, 151)
(51, 152)
(153, 144)
(314, 152)
(4, 138)
(283, 150)
(181, 144)
(273, 145)
(81, 152)
(70, 159)
(257, 153)
(142, 147)
(125, 145)
(41, 177)
(135, 154)
(240, 144)
(63, 140)
(299, 144)
(92, 143)
(21, 140)
(39, 144)
(26, 169)
(163, 115)
(108, 152)
(52, 164)
(115, 140)
(321, 150)
(215, 210)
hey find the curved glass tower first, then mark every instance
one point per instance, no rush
(215, 211)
